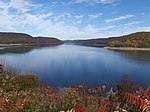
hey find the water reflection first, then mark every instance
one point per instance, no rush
(134, 54)
(19, 50)
(67, 65)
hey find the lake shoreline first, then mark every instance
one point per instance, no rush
(127, 48)
(22, 44)
(28, 45)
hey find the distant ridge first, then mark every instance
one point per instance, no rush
(136, 40)
(22, 38)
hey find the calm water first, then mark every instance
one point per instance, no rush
(67, 65)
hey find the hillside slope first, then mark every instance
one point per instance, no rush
(137, 40)
(21, 38)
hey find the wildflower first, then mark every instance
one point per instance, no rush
(20, 105)
(84, 94)
(6, 100)
(49, 87)
(59, 99)
(26, 99)
(3, 109)
(52, 96)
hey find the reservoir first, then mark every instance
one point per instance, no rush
(67, 65)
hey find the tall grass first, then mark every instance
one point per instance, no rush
(10, 69)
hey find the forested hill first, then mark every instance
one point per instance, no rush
(137, 40)
(21, 38)
(47, 40)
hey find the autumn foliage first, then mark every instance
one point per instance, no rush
(136, 40)
(140, 103)
(26, 93)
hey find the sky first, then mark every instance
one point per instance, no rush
(75, 19)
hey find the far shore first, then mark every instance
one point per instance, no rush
(27, 44)
(128, 48)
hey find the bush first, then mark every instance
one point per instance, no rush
(25, 93)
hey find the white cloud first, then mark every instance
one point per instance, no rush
(104, 2)
(43, 24)
(143, 28)
(61, 26)
(70, 32)
(8, 21)
(3, 5)
(35, 21)
(63, 17)
(45, 15)
(119, 18)
(109, 27)
(94, 16)
(79, 17)
(79, 21)
(20, 5)
(132, 23)
(108, 1)
(124, 31)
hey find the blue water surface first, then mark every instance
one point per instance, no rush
(67, 65)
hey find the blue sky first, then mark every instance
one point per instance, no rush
(75, 19)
